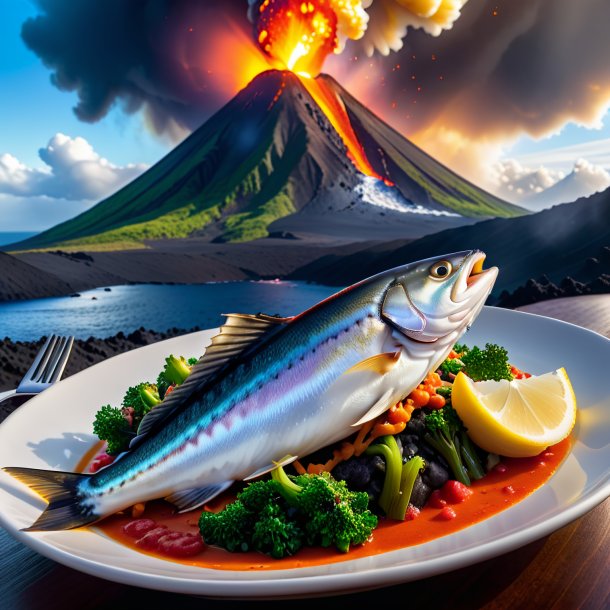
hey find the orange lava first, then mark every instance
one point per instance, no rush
(334, 109)
(297, 35)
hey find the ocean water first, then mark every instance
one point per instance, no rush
(102, 312)
(10, 237)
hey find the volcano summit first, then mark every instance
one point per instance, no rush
(282, 155)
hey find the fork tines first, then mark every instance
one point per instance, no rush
(50, 361)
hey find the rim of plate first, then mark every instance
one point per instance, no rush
(341, 577)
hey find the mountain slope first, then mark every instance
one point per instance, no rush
(559, 242)
(418, 176)
(271, 153)
(19, 281)
(585, 179)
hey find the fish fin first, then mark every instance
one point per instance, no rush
(60, 490)
(236, 335)
(381, 406)
(189, 499)
(380, 363)
(287, 459)
(399, 311)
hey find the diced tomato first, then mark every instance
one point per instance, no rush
(150, 540)
(412, 513)
(508, 489)
(455, 492)
(434, 379)
(420, 398)
(518, 373)
(101, 460)
(436, 401)
(170, 389)
(138, 527)
(447, 514)
(180, 544)
(436, 499)
(398, 414)
(501, 468)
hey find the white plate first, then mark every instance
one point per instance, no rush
(53, 431)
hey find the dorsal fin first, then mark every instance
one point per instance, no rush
(238, 333)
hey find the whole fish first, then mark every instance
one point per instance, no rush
(270, 387)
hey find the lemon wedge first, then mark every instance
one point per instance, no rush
(518, 418)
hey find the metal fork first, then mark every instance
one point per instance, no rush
(47, 368)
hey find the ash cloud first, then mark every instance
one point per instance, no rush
(505, 68)
(149, 55)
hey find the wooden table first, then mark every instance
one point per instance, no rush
(567, 570)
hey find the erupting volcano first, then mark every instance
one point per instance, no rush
(291, 152)
(298, 36)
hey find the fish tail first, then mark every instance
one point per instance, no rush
(60, 490)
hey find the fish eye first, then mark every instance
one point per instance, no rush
(441, 270)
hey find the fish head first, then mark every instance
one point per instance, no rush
(430, 303)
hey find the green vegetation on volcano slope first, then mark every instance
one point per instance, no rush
(268, 153)
(419, 176)
(212, 177)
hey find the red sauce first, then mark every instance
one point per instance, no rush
(500, 489)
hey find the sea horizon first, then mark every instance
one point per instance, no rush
(10, 237)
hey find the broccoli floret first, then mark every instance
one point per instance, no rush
(280, 515)
(488, 364)
(461, 348)
(333, 514)
(260, 519)
(231, 528)
(111, 426)
(275, 533)
(446, 433)
(399, 477)
(452, 365)
(141, 398)
(132, 399)
(259, 494)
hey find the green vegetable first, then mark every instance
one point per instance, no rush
(280, 515)
(452, 365)
(399, 477)
(488, 364)
(149, 395)
(275, 533)
(111, 426)
(446, 433)
(132, 399)
(444, 391)
(176, 370)
(231, 528)
(461, 348)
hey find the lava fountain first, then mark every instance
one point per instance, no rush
(298, 36)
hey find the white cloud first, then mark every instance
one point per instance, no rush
(72, 171)
(512, 181)
(539, 188)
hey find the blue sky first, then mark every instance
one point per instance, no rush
(33, 111)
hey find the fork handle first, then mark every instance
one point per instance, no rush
(10, 393)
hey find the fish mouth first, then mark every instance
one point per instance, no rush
(473, 280)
